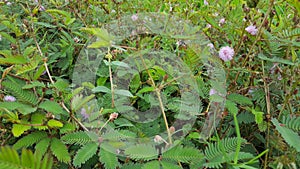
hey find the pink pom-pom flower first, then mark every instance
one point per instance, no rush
(226, 53)
(252, 30)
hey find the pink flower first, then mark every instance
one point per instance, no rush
(222, 21)
(157, 139)
(42, 8)
(226, 53)
(9, 98)
(113, 116)
(84, 114)
(252, 30)
(205, 2)
(134, 17)
(208, 26)
(212, 92)
(211, 46)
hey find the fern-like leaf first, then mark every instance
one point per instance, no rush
(85, 153)
(78, 138)
(151, 165)
(21, 94)
(169, 165)
(291, 137)
(109, 159)
(52, 107)
(183, 154)
(30, 139)
(239, 99)
(291, 122)
(216, 153)
(132, 166)
(9, 159)
(60, 150)
(42, 146)
(141, 152)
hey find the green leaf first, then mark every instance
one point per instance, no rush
(135, 83)
(9, 159)
(78, 138)
(68, 127)
(141, 152)
(122, 122)
(27, 159)
(183, 154)
(123, 92)
(33, 84)
(30, 139)
(60, 12)
(99, 44)
(19, 129)
(239, 99)
(102, 89)
(55, 123)
(231, 106)
(291, 137)
(47, 25)
(8, 37)
(42, 146)
(85, 153)
(21, 107)
(121, 64)
(39, 118)
(52, 107)
(60, 150)
(259, 116)
(61, 85)
(13, 60)
(169, 165)
(274, 59)
(9, 155)
(79, 101)
(151, 165)
(28, 51)
(109, 159)
(146, 89)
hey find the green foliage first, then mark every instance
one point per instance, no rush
(9, 159)
(240, 99)
(291, 137)
(183, 154)
(85, 153)
(60, 150)
(79, 138)
(141, 152)
(221, 152)
(52, 107)
(29, 140)
(109, 159)
(291, 122)
(24, 95)
(153, 71)
(19, 129)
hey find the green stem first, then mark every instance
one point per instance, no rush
(157, 90)
(239, 142)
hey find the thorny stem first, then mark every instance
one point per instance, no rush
(161, 105)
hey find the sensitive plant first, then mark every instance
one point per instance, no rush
(45, 117)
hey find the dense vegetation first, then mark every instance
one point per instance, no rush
(150, 84)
